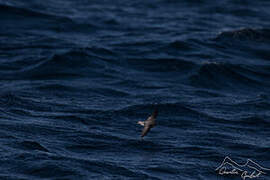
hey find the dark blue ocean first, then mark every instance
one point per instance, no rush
(77, 75)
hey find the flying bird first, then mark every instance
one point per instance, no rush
(149, 123)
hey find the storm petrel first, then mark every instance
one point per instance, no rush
(149, 123)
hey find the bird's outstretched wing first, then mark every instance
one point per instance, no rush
(153, 116)
(146, 129)
(155, 113)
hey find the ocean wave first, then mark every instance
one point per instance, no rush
(34, 20)
(245, 34)
(181, 45)
(48, 43)
(32, 145)
(13, 13)
(245, 43)
(18, 105)
(7, 10)
(161, 65)
(71, 64)
(230, 76)
(255, 121)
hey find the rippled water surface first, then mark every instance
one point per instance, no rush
(76, 76)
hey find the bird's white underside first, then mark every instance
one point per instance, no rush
(141, 123)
